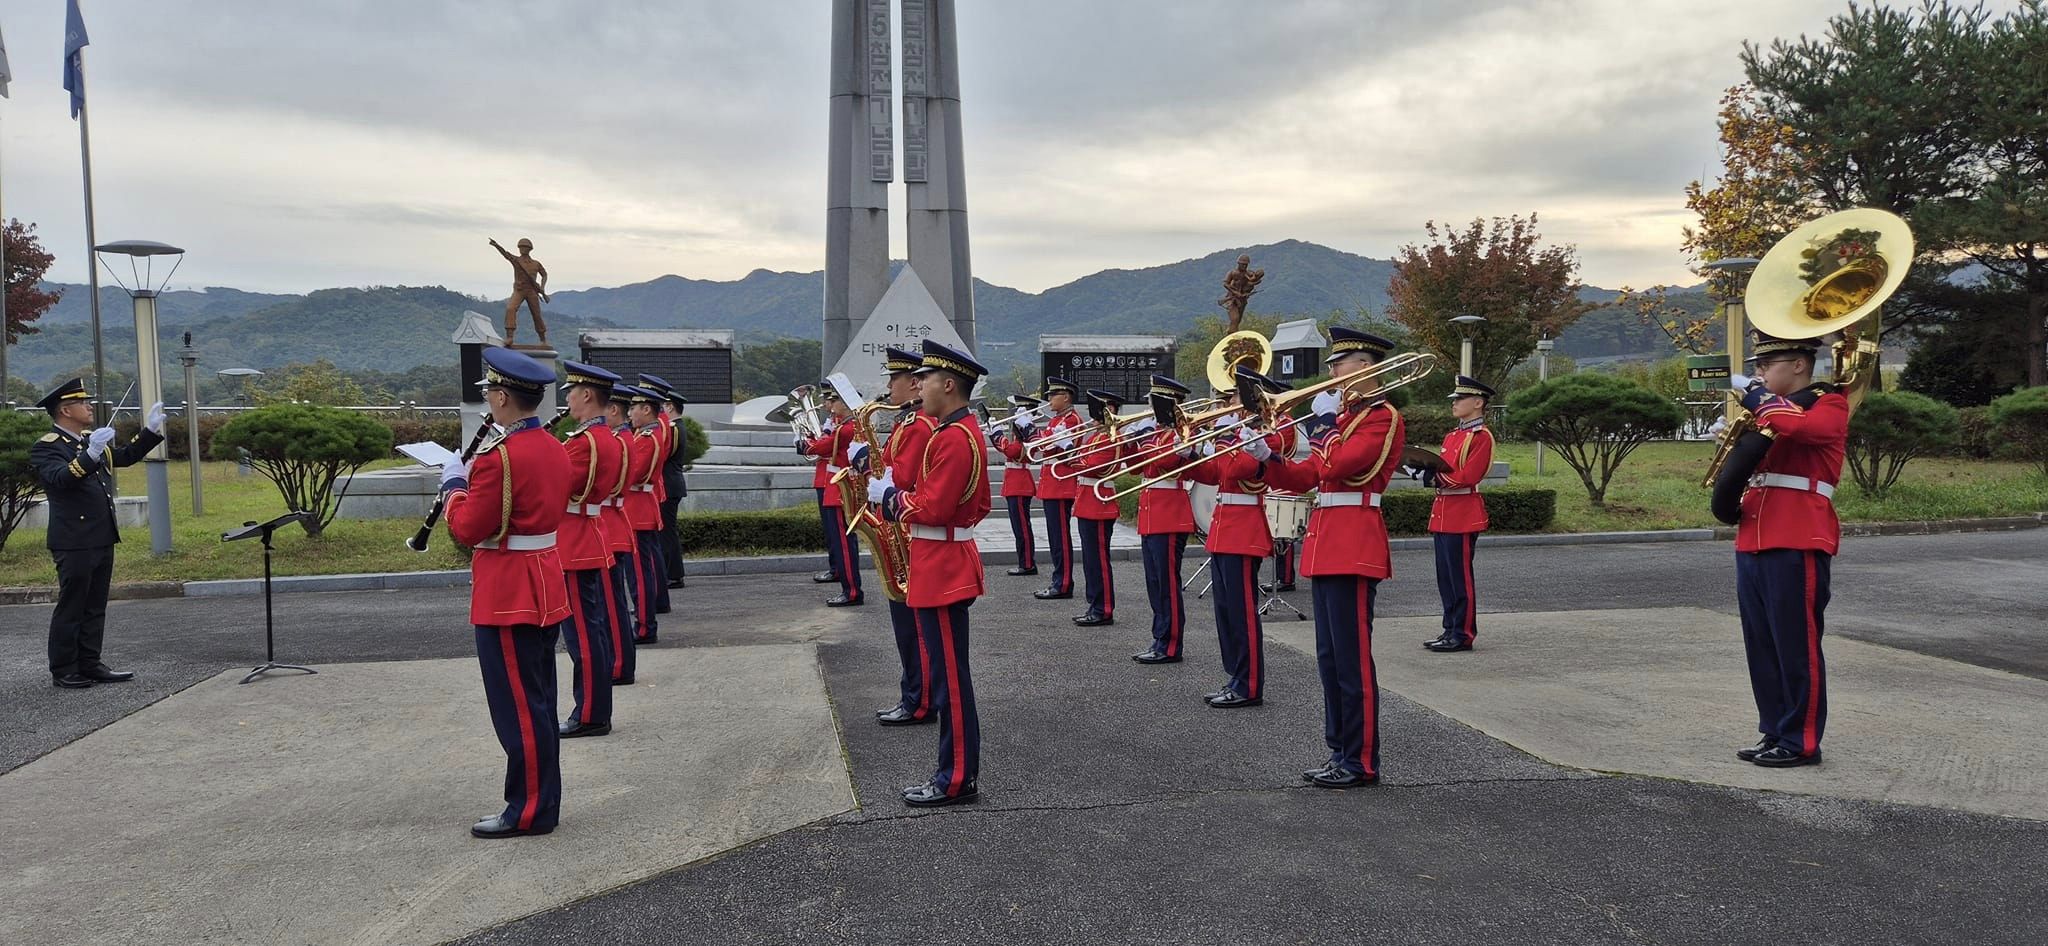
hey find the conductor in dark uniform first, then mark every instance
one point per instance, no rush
(71, 462)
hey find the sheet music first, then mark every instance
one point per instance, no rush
(428, 453)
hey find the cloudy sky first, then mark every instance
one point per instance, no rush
(293, 146)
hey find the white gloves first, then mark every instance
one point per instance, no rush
(1021, 420)
(1327, 402)
(155, 422)
(1741, 382)
(454, 472)
(880, 486)
(858, 455)
(96, 444)
(1258, 449)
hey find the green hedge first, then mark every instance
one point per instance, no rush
(446, 431)
(793, 529)
(1508, 509)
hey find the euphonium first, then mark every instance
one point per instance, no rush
(890, 543)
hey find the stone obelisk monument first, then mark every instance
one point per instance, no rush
(862, 165)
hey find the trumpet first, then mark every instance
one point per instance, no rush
(1007, 427)
(1267, 411)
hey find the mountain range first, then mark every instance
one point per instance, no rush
(398, 328)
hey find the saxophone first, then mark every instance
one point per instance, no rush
(891, 545)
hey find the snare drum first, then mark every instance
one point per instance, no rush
(1287, 515)
(1202, 496)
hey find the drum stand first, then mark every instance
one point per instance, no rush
(1271, 598)
(1199, 569)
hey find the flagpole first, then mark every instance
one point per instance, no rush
(4, 400)
(99, 371)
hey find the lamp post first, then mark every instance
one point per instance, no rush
(189, 357)
(1467, 324)
(149, 380)
(1543, 346)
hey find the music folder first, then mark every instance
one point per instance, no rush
(250, 529)
(428, 453)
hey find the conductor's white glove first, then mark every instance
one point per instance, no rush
(96, 443)
(155, 421)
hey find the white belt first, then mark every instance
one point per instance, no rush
(829, 468)
(1165, 485)
(585, 509)
(644, 488)
(1326, 500)
(1455, 491)
(521, 543)
(1034, 468)
(1088, 481)
(1013, 466)
(1800, 483)
(616, 502)
(1238, 499)
(942, 533)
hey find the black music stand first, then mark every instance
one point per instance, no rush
(264, 530)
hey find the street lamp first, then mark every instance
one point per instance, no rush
(241, 376)
(1543, 346)
(1467, 324)
(142, 290)
(189, 357)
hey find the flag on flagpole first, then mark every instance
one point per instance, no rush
(6, 73)
(74, 61)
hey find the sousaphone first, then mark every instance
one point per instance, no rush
(1829, 276)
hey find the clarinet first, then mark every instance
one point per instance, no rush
(418, 542)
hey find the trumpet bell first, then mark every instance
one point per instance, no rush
(1246, 348)
(1829, 274)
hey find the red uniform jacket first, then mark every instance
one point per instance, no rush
(1357, 458)
(1051, 485)
(1808, 444)
(641, 474)
(830, 450)
(664, 441)
(1458, 506)
(1016, 473)
(1096, 462)
(1163, 509)
(949, 491)
(618, 532)
(528, 474)
(904, 450)
(593, 470)
(1239, 528)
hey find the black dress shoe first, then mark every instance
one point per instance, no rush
(496, 826)
(1094, 620)
(1154, 657)
(824, 578)
(1445, 646)
(101, 674)
(72, 681)
(580, 730)
(1229, 699)
(1750, 754)
(930, 795)
(1021, 571)
(1779, 757)
(844, 601)
(675, 583)
(1336, 777)
(622, 681)
(661, 609)
(649, 639)
(1047, 594)
(1313, 774)
(1271, 588)
(902, 716)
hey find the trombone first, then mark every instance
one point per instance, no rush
(1114, 423)
(1403, 369)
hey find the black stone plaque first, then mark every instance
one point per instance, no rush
(704, 375)
(1128, 374)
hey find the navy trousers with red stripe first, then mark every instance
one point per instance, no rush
(1351, 686)
(952, 696)
(1783, 595)
(649, 579)
(1455, 585)
(1098, 578)
(519, 684)
(1059, 543)
(588, 636)
(841, 551)
(832, 546)
(1283, 561)
(1163, 554)
(914, 692)
(1239, 637)
(1020, 529)
(620, 609)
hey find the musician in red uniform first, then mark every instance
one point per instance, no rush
(1345, 555)
(901, 455)
(518, 595)
(1019, 486)
(643, 512)
(586, 554)
(940, 507)
(1056, 486)
(1099, 457)
(618, 535)
(1239, 539)
(1165, 520)
(1459, 514)
(830, 449)
(1785, 544)
(821, 482)
(668, 443)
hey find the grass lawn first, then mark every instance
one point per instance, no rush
(1658, 487)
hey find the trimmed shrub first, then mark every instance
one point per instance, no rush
(1594, 422)
(2021, 419)
(1428, 423)
(791, 529)
(1976, 437)
(1508, 509)
(695, 441)
(304, 448)
(1890, 429)
(19, 488)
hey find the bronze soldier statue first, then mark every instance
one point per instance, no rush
(1238, 286)
(529, 285)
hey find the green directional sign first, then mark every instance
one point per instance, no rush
(1706, 372)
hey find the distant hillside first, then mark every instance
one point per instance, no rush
(188, 307)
